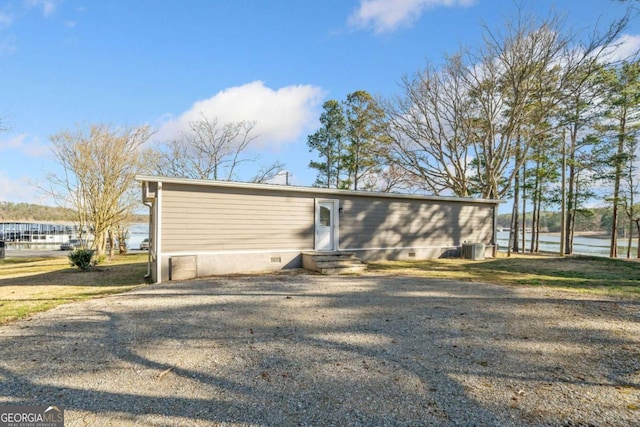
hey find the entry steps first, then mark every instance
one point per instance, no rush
(332, 263)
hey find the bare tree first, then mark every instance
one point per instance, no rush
(462, 128)
(210, 150)
(99, 165)
(268, 172)
(430, 131)
(388, 179)
(511, 91)
(468, 126)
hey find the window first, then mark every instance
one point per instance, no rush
(325, 216)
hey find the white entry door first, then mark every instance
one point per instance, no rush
(326, 225)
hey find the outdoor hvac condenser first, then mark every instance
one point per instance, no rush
(473, 251)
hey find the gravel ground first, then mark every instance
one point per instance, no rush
(303, 350)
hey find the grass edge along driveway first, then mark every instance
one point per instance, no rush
(585, 274)
(31, 285)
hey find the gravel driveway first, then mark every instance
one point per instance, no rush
(298, 350)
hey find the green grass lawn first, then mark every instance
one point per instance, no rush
(29, 285)
(599, 275)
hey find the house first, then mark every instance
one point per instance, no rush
(37, 235)
(200, 228)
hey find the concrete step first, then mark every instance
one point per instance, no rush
(338, 263)
(321, 258)
(332, 262)
(353, 269)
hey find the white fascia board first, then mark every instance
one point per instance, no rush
(324, 192)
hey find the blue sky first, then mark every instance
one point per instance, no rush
(160, 62)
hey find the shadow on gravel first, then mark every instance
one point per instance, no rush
(315, 350)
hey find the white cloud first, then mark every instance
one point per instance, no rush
(281, 115)
(627, 46)
(48, 6)
(24, 144)
(19, 190)
(388, 15)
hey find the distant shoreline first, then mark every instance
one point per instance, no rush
(590, 234)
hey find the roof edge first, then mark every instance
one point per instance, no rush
(301, 189)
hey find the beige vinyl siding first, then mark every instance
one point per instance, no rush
(214, 219)
(388, 223)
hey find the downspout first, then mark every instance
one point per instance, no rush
(495, 230)
(157, 245)
(150, 206)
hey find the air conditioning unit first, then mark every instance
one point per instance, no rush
(473, 251)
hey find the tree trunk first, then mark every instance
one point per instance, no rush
(524, 208)
(515, 221)
(513, 229)
(356, 168)
(568, 239)
(536, 248)
(631, 211)
(563, 202)
(571, 202)
(613, 251)
(112, 243)
(122, 240)
(637, 221)
(572, 215)
(630, 239)
(535, 220)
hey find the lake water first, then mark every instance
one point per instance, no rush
(581, 245)
(548, 242)
(137, 233)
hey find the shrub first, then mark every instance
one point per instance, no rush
(81, 258)
(99, 259)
